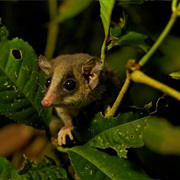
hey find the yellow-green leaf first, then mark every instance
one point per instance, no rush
(162, 137)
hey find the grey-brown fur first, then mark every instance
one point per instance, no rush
(92, 83)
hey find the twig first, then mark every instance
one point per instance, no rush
(174, 15)
(103, 50)
(139, 77)
(112, 111)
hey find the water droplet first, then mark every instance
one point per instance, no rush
(16, 75)
(139, 126)
(15, 89)
(127, 138)
(25, 68)
(7, 84)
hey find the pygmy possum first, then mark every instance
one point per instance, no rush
(76, 81)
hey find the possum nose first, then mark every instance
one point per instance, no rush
(46, 103)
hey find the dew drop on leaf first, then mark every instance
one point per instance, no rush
(127, 138)
(91, 172)
(16, 75)
(139, 126)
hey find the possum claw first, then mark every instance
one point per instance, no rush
(65, 131)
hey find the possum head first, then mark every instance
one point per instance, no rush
(72, 80)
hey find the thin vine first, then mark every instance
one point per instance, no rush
(174, 15)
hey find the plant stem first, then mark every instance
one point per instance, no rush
(62, 149)
(103, 50)
(53, 30)
(139, 77)
(163, 35)
(124, 89)
(174, 5)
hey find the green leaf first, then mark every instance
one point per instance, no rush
(3, 32)
(70, 8)
(100, 124)
(121, 137)
(170, 57)
(32, 170)
(7, 171)
(162, 137)
(175, 75)
(106, 8)
(37, 171)
(90, 163)
(132, 39)
(20, 88)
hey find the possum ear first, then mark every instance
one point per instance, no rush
(44, 64)
(91, 70)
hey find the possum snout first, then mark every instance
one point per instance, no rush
(46, 103)
(49, 99)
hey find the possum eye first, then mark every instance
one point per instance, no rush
(69, 84)
(48, 81)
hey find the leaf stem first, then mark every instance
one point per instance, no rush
(139, 77)
(124, 89)
(62, 149)
(103, 51)
(175, 13)
(163, 35)
(53, 30)
(174, 5)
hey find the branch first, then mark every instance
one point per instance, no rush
(112, 111)
(103, 50)
(139, 77)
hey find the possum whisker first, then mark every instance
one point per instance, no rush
(40, 85)
(40, 111)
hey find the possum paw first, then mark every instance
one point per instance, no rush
(65, 131)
